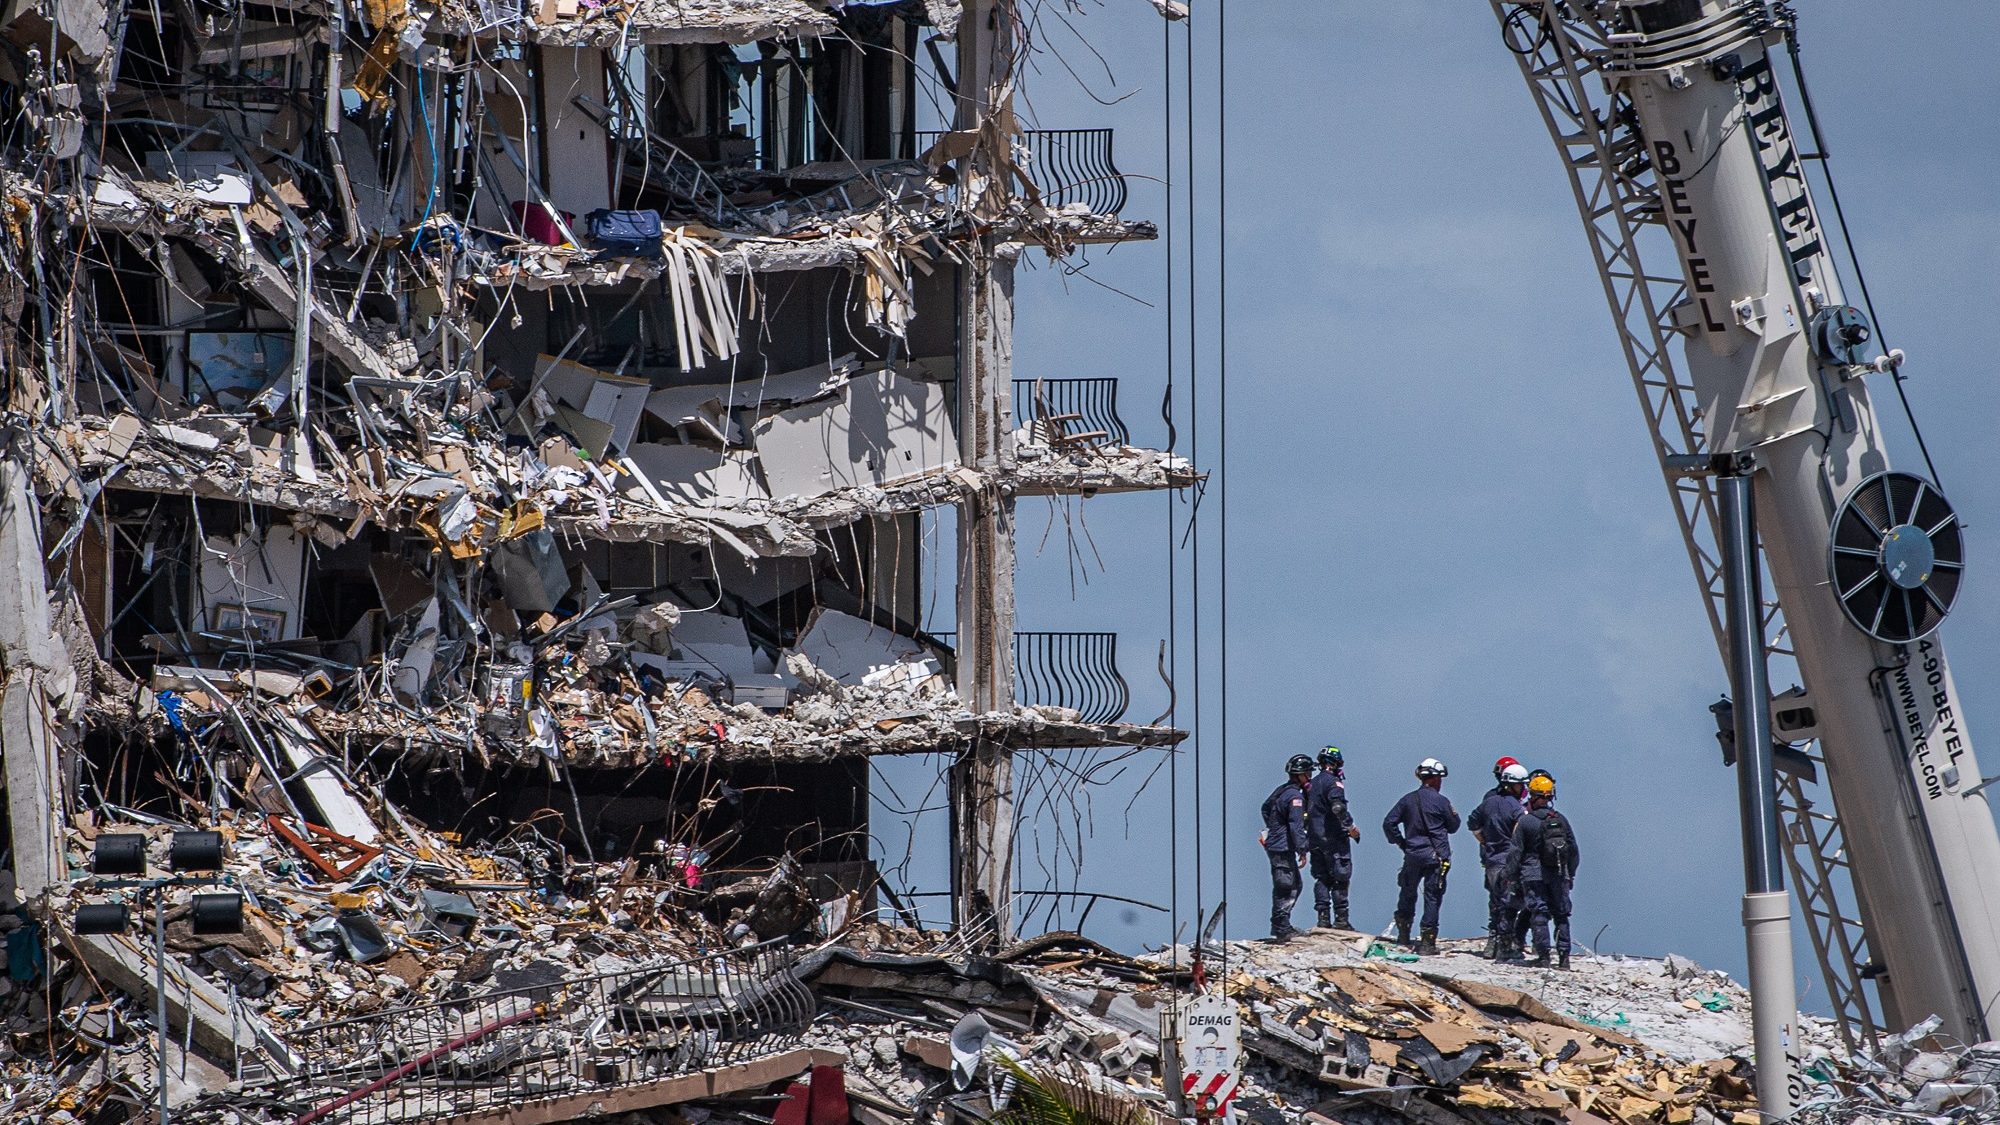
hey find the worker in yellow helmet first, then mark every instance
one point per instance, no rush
(1541, 868)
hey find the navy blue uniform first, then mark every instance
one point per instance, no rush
(1543, 886)
(1285, 840)
(1421, 824)
(1494, 821)
(1327, 823)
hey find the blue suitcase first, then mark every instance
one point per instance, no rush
(624, 234)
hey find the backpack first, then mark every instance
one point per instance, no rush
(1558, 846)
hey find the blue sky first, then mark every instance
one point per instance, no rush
(1447, 533)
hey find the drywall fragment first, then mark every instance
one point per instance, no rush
(616, 402)
(695, 474)
(880, 428)
(341, 810)
(850, 649)
(211, 177)
(413, 669)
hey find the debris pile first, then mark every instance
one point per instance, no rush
(1913, 1076)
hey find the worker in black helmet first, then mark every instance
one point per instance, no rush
(1421, 825)
(1331, 831)
(1285, 841)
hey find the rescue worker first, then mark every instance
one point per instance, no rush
(1421, 825)
(1541, 865)
(1330, 830)
(1285, 841)
(1492, 824)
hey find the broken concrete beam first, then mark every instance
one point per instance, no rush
(127, 964)
(720, 1082)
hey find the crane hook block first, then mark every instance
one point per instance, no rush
(1841, 335)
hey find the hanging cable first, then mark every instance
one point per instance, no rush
(1824, 156)
(1173, 577)
(1191, 191)
(1222, 425)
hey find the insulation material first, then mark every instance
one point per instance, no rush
(253, 584)
(878, 429)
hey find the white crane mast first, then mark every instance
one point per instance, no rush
(1686, 134)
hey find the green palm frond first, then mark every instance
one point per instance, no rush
(1065, 1095)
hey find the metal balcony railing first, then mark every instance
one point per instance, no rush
(1057, 409)
(1067, 166)
(1074, 670)
(571, 1037)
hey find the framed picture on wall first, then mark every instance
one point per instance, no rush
(225, 369)
(263, 625)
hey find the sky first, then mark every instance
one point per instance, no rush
(1447, 534)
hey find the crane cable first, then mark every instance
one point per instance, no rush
(1823, 156)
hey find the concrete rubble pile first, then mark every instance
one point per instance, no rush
(1914, 1076)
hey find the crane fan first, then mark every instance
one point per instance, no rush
(1897, 557)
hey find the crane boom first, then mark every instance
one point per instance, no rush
(1696, 149)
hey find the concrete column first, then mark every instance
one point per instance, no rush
(28, 653)
(982, 780)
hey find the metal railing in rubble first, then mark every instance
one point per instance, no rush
(1074, 670)
(569, 1037)
(1066, 166)
(1056, 409)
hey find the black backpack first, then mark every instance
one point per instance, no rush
(1558, 845)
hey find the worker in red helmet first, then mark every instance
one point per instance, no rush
(1492, 824)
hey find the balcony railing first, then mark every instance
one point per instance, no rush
(1056, 410)
(1066, 166)
(1074, 670)
(557, 1040)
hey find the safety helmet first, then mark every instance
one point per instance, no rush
(1515, 774)
(1500, 766)
(1330, 756)
(1299, 763)
(1431, 767)
(1533, 774)
(1542, 785)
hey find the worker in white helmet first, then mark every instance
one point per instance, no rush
(1421, 825)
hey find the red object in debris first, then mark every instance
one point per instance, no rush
(537, 224)
(792, 1111)
(829, 1096)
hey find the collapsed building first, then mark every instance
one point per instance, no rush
(486, 461)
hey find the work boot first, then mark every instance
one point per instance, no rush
(1340, 921)
(1428, 946)
(1541, 960)
(1562, 959)
(1491, 950)
(1402, 932)
(1284, 933)
(1325, 920)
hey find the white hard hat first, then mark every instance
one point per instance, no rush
(1516, 774)
(1431, 767)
